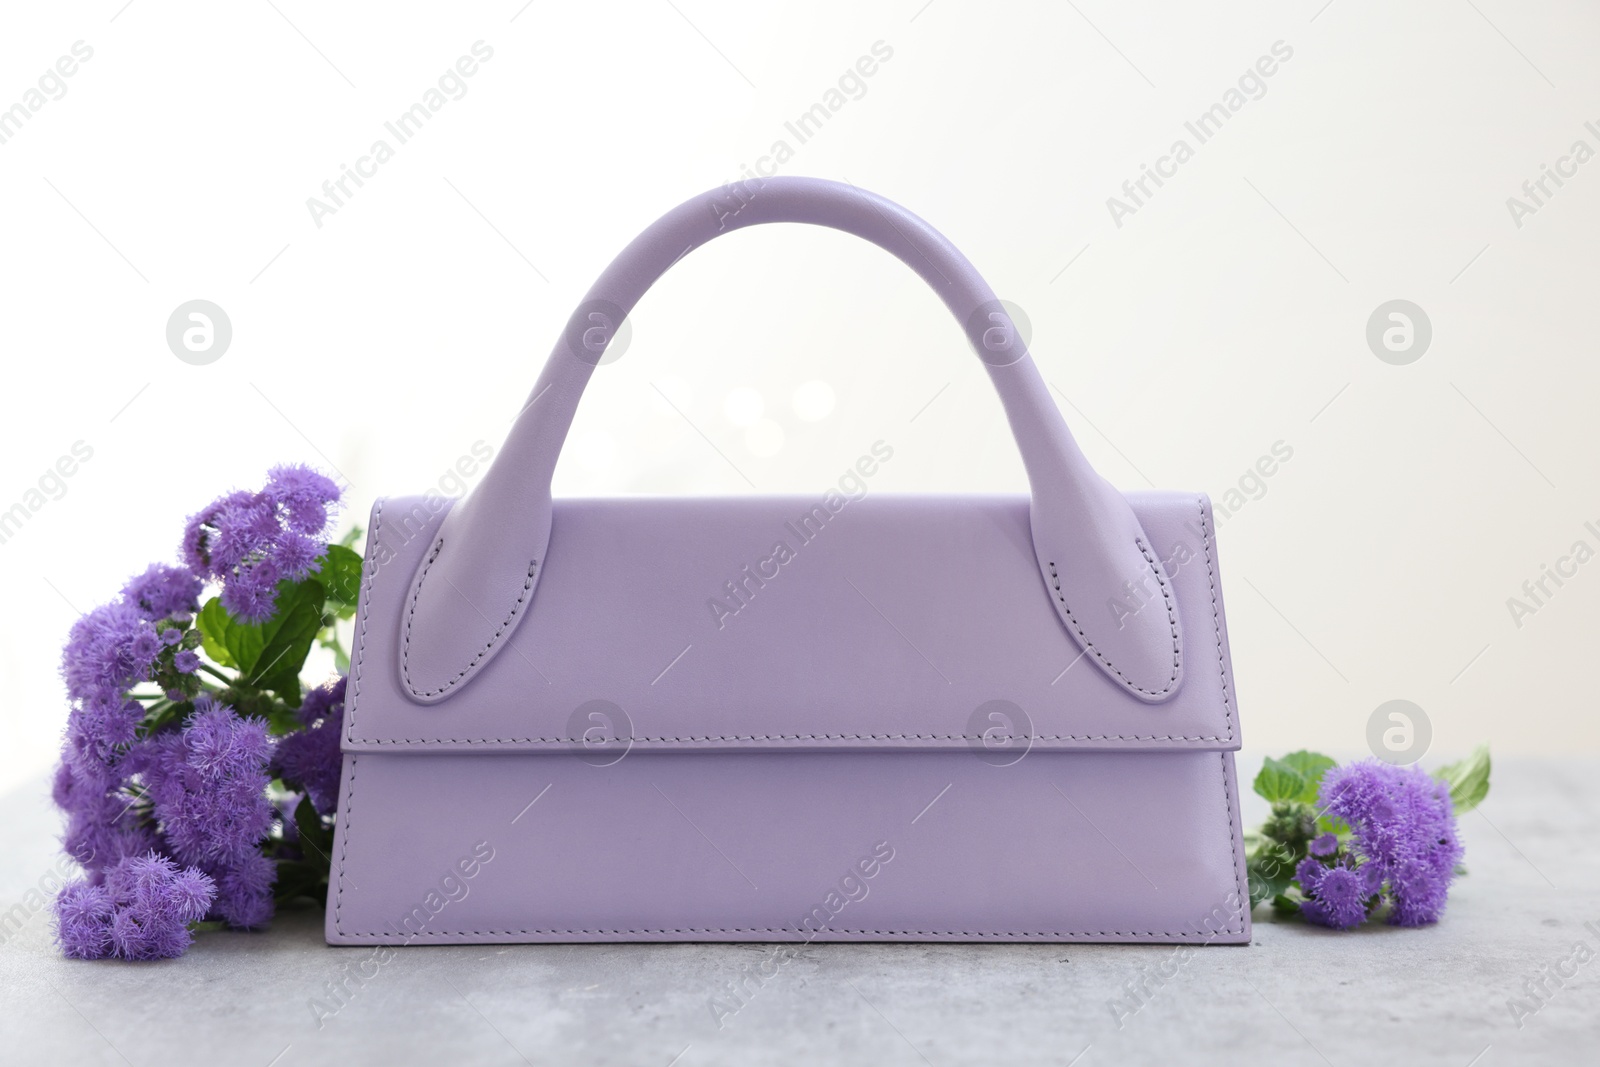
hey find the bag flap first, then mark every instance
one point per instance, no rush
(767, 623)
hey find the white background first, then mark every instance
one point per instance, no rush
(1226, 315)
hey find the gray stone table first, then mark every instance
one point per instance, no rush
(1295, 996)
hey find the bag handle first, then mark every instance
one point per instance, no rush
(478, 578)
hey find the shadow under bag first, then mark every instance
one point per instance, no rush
(845, 717)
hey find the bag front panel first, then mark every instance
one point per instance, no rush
(1078, 846)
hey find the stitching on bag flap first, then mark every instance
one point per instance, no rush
(411, 614)
(1172, 620)
(366, 607)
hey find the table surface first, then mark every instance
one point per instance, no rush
(1297, 995)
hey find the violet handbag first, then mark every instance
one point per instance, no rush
(841, 717)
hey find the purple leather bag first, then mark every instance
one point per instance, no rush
(843, 717)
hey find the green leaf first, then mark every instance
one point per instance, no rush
(340, 575)
(351, 536)
(1468, 779)
(227, 640)
(1270, 871)
(213, 623)
(1311, 766)
(1279, 781)
(1284, 904)
(287, 638)
(268, 655)
(312, 833)
(297, 879)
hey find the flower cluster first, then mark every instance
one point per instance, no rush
(310, 756)
(134, 639)
(1363, 841)
(251, 541)
(166, 776)
(140, 911)
(207, 787)
(1404, 850)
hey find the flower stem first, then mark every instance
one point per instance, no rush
(209, 669)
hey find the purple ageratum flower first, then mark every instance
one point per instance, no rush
(108, 651)
(1324, 845)
(207, 784)
(244, 892)
(142, 911)
(164, 591)
(1335, 895)
(1405, 831)
(304, 495)
(103, 829)
(99, 729)
(311, 757)
(251, 541)
(186, 662)
(103, 826)
(250, 591)
(297, 555)
(83, 920)
(207, 787)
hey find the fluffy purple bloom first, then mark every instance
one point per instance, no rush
(244, 892)
(304, 495)
(251, 541)
(1335, 895)
(164, 591)
(207, 784)
(310, 757)
(1404, 832)
(99, 729)
(297, 555)
(186, 661)
(141, 911)
(108, 651)
(250, 592)
(1324, 845)
(83, 920)
(207, 788)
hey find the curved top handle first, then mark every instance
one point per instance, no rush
(478, 578)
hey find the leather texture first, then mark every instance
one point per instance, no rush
(852, 716)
